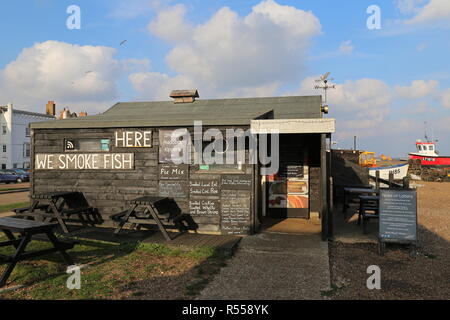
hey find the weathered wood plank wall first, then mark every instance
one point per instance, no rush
(108, 190)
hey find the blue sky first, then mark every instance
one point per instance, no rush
(389, 81)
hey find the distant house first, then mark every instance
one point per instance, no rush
(15, 135)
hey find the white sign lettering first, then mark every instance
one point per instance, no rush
(85, 161)
(133, 139)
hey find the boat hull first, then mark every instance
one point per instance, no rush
(432, 161)
(399, 171)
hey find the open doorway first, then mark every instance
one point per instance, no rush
(291, 197)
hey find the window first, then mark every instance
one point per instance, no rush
(87, 145)
(431, 148)
(4, 148)
(27, 131)
(15, 165)
(4, 129)
(224, 149)
(425, 148)
(26, 165)
(26, 150)
(419, 147)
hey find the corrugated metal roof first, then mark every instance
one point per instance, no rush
(211, 112)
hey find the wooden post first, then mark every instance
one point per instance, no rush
(391, 179)
(330, 207)
(331, 193)
(405, 183)
(377, 176)
(324, 189)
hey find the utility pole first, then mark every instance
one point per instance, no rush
(354, 143)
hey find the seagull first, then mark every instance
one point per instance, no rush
(88, 72)
(122, 42)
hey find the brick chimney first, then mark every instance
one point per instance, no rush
(184, 96)
(50, 108)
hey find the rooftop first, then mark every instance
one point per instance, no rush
(27, 113)
(238, 111)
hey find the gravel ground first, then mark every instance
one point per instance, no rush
(426, 277)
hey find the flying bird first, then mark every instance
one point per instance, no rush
(122, 42)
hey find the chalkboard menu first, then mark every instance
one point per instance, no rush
(173, 172)
(204, 207)
(236, 182)
(173, 189)
(398, 215)
(204, 187)
(172, 144)
(236, 212)
(290, 169)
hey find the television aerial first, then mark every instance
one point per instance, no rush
(324, 85)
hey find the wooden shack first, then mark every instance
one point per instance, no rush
(126, 152)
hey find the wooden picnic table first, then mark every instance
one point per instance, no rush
(355, 192)
(56, 205)
(27, 230)
(150, 212)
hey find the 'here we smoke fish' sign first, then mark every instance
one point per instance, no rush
(85, 161)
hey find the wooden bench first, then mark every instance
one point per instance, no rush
(371, 204)
(24, 210)
(28, 230)
(60, 205)
(153, 209)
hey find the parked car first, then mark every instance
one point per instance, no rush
(25, 175)
(10, 176)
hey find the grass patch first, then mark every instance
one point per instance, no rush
(215, 260)
(115, 271)
(10, 206)
(12, 189)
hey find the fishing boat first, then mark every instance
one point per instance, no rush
(399, 171)
(426, 152)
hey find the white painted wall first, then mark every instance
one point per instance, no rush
(15, 137)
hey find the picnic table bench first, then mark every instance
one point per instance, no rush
(29, 230)
(371, 204)
(352, 194)
(154, 209)
(57, 205)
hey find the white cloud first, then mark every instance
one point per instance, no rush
(72, 75)
(359, 104)
(408, 6)
(346, 47)
(445, 98)
(418, 89)
(363, 97)
(433, 11)
(157, 86)
(233, 54)
(170, 24)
